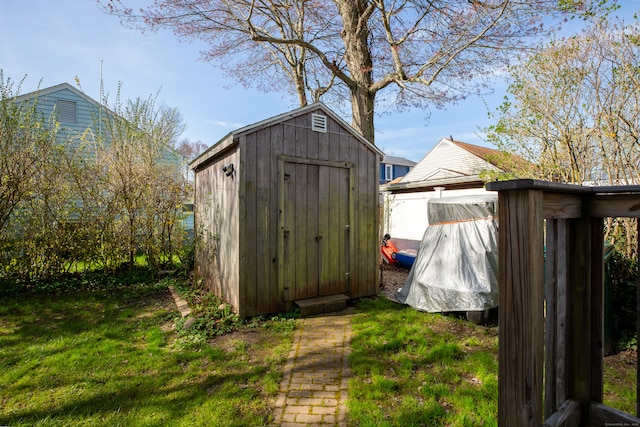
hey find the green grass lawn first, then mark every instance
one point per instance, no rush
(111, 358)
(411, 368)
(620, 381)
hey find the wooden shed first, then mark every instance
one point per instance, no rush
(286, 211)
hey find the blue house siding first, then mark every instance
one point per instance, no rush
(86, 124)
(188, 218)
(396, 171)
(77, 132)
(86, 118)
(73, 128)
(394, 167)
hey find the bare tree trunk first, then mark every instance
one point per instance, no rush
(300, 87)
(355, 34)
(362, 101)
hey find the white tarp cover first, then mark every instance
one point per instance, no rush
(456, 268)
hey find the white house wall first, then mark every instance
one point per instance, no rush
(447, 156)
(405, 214)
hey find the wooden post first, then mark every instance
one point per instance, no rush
(638, 325)
(575, 280)
(556, 316)
(521, 335)
(597, 309)
(579, 312)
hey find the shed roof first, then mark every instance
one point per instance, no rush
(229, 140)
(450, 183)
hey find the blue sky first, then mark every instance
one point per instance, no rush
(52, 42)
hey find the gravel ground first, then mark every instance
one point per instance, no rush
(392, 279)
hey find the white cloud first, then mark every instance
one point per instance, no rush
(224, 124)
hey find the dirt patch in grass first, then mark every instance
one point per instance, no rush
(622, 360)
(157, 301)
(252, 339)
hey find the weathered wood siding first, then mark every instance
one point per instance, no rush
(217, 229)
(314, 214)
(551, 308)
(299, 220)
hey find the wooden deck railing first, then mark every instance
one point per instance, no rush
(551, 366)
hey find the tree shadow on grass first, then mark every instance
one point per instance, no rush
(166, 403)
(75, 361)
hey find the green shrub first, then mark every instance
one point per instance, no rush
(624, 278)
(212, 316)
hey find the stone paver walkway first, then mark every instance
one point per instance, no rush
(182, 305)
(313, 390)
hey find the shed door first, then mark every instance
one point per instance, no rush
(316, 229)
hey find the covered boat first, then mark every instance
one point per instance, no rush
(456, 268)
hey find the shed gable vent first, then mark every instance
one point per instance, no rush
(319, 123)
(66, 111)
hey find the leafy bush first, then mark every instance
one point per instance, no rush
(281, 322)
(132, 280)
(624, 278)
(88, 197)
(212, 316)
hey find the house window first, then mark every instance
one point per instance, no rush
(388, 172)
(66, 111)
